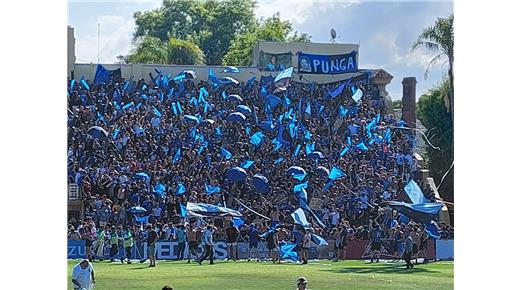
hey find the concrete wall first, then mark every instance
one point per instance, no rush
(138, 71)
(306, 47)
(71, 49)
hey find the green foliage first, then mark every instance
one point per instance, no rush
(434, 116)
(398, 104)
(184, 52)
(152, 50)
(439, 38)
(272, 29)
(149, 50)
(211, 25)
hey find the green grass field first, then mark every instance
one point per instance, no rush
(253, 275)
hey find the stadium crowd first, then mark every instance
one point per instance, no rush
(155, 157)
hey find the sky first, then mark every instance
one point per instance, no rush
(385, 31)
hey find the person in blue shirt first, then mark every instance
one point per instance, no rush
(297, 238)
(273, 65)
(376, 236)
(253, 242)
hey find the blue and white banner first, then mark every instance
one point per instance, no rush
(327, 64)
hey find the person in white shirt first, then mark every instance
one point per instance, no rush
(335, 217)
(83, 275)
(207, 242)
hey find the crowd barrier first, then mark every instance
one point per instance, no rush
(444, 250)
(356, 250)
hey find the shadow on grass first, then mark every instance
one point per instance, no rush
(140, 267)
(381, 269)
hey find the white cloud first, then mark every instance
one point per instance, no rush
(115, 38)
(402, 56)
(297, 12)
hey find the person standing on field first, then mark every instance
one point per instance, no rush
(128, 243)
(408, 250)
(151, 240)
(181, 239)
(83, 276)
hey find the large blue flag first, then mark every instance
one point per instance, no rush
(422, 213)
(299, 218)
(210, 210)
(287, 252)
(414, 193)
(287, 73)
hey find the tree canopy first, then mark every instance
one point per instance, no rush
(174, 51)
(211, 25)
(434, 116)
(439, 38)
(271, 29)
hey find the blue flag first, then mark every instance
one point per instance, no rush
(422, 213)
(362, 146)
(247, 163)
(174, 108)
(415, 193)
(237, 222)
(224, 152)
(319, 241)
(297, 150)
(300, 186)
(257, 138)
(183, 210)
(143, 220)
(287, 73)
(177, 155)
(308, 109)
(336, 173)
(211, 189)
(339, 89)
(180, 189)
(299, 176)
(157, 112)
(344, 151)
(84, 84)
(287, 252)
(277, 161)
(300, 218)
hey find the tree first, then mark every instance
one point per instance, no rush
(149, 50)
(439, 38)
(434, 116)
(152, 50)
(211, 25)
(272, 29)
(184, 52)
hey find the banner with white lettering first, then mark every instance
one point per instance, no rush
(327, 64)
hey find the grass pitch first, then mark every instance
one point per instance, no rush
(264, 275)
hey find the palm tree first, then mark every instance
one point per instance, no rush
(439, 38)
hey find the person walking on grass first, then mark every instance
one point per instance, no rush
(207, 242)
(408, 250)
(83, 276)
(151, 240)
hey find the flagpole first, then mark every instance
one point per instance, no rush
(98, 43)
